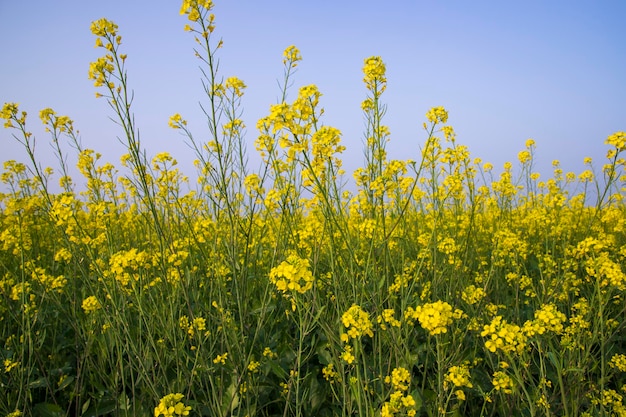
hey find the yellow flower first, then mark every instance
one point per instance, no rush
(329, 372)
(502, 382)
(9, 365)
(347, 355)
(471, 294)
(400, 379)
(221, 358)
(9, 112)
(91, 304)
(434, 317)
(103, 27)
(618, 361)
(617, 139)
(292, 275)
(437, 115)
(504, 336)
(236, 85)
(358, 323)
(176, 121)
(459, 376)
(171, 405)
(291, 56)
(253, 366)
(374, 70)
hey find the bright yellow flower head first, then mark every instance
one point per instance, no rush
(374, 70)
(433, 317)
(91, 304)
(617, 139)
(103, 27)
(437, 115)
(292, 275)
(292, 56)
(171, 405)
(358, 323)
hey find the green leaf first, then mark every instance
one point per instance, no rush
(101, 408)
(39, 383)
(85, 407)
(47, 410)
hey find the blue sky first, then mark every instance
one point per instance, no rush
(506, 71)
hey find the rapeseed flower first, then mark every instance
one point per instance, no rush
(459, 376)
(437, 115)
(358, 323)
(292, 275)
(618, 361)
(90, 304)
(400, 379)
(374, 70)
(434, 317)
(502, 382)
(171, 405)
(503, 336)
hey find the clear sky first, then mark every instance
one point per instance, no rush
(554, 71)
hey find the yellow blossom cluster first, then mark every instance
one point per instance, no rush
(399, 402)
(90, 304)
(195, 326)
(358, 323)
(547, 319)
(459, 377)
(388, 318)
(171, 405)
(472, 294)
(374, 73)
(292, 275)
(433, 317)
(618, 361)
(502, 382)
(503, 336)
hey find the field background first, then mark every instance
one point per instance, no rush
(278, 281)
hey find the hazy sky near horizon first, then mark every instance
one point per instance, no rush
(554, 71)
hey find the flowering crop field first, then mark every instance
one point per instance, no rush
(433, 287)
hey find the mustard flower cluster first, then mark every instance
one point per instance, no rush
(374, 71)
(618, 361)
(434, 317)
(437, 115)
(617, 139)
(9, 365)
(547, 319)
(502, 382)
(171, 405)
(100, 70)
(399, 402)
(503, 336)
(330, 373)
(221, 358)
(358, 323)
(90, 304)
(9, 115)
(195, 326)
(291, 56)
(292, 275)
(193, 8)
(612, 401)
(459, 376)
(472, 294)
(388, 318)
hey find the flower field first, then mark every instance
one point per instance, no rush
(431, 286)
